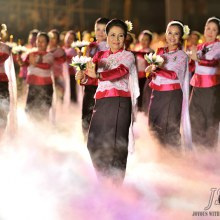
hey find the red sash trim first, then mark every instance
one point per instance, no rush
(141, 74)
(165, 87)
(111, 93)
(37, 80)
(205, 81)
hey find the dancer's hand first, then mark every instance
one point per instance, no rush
(150, 71)
(32, 59)
(150, 68)
(80, 75)
(193, 54)
(90, 69)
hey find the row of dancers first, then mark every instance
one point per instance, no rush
(113, 82)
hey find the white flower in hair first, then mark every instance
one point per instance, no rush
(186, 29)
(129, 25)
(51, 35)
(4, 27)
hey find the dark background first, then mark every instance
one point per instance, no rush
(23, 15)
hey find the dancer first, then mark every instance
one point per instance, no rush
(40, 90)
(192, 42)
(205, 98)
(115, 96)
(143, 47)
(70, 37)
(21, 57)
(129, 41)
(59, 59)
(89, 90)
(8, 90)
(170, 91)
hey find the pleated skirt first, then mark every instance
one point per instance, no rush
(205, 115)
(165, 116)
(108, 136)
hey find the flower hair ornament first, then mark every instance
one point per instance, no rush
(51, 35)
(186, 29)
(3, 29)
(129, 25)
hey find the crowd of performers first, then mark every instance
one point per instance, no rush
(181, 97)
